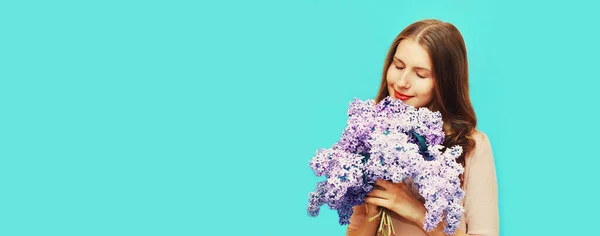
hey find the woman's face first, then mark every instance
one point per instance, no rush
(409, 77)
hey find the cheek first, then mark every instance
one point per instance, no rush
(425, 89)
(392, 76)
(389, 75)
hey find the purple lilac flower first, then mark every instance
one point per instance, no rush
(378, 143)
(391, 156)
(439, 184)
(316, 199)
(394, 158)
(405, 118)
(344, 172)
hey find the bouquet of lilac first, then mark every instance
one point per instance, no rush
(393, 141)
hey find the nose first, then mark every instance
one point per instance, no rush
(403, 81)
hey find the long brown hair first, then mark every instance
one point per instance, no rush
(448, 53)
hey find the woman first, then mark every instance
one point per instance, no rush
(426, 66)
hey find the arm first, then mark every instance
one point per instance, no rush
(481, 200)
(359, 222)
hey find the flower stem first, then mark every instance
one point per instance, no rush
(386, 227)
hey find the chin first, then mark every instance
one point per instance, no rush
(412, 103)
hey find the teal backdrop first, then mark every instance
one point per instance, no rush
(200, 117)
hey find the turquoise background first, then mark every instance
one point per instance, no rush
(199, 118)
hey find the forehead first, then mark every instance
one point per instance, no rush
(413, 54)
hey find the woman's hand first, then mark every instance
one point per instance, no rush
(396, 197)
(372, 210)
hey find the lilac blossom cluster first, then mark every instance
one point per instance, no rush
(393, 141)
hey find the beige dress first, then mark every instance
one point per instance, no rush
(481, 197)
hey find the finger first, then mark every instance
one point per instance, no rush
(402, 185)
(384, 183)
(378, 202)
(379, 194)
(376, 186)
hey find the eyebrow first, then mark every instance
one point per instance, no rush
(416, 67)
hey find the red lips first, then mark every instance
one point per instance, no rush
(401, 96)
